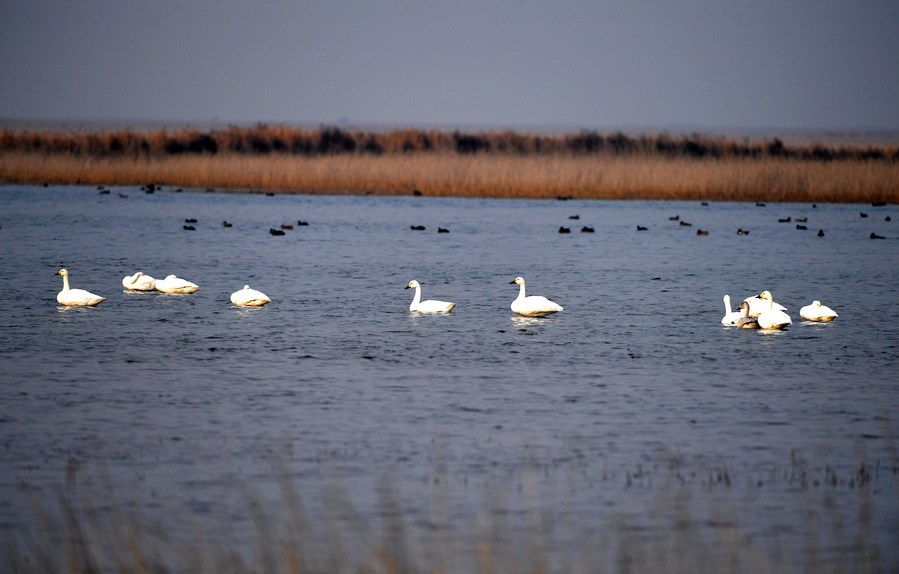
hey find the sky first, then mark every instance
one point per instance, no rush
(695, 64)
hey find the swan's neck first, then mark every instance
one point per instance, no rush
(417, 299)
(727, 304)
(521, 294)
(65, 282)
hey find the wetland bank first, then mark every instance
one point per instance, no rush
(502, 163)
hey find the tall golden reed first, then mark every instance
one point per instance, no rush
(481, 175)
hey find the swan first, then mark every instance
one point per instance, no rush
(430, 306)
(730, 317)
(745, 321)
(817, 312)
(139, 282)
(756, 305)
(247, 297)
(772, 318)
(172, 284)
(75, 297)
(533, 306)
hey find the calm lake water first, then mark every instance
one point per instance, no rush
(189, 406)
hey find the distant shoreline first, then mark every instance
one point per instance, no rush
(502, 164)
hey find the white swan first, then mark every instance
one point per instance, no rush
(730, 317)
(533, 306)
(756, 305)
(429, 306)
(772, 318)
(817, 312)
(745, 321)
(139, 282)
(76, 297)
(172, 284)
(247, 297)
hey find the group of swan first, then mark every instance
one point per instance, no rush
(533, 306)
(761, 312)
(172, 284)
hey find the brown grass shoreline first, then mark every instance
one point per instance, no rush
(500, 165)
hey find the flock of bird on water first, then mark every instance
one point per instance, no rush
(755, 312)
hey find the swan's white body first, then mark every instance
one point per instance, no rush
(247, 297)
(730, 317)
(772, 318)
(176, 285)
(745, 321)
(817, 312)
(139, 282)
(533, 306)
(75, 297)
(429, 306)
(756, 305)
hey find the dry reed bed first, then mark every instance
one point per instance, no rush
(481, 175)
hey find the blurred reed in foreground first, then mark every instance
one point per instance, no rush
(481, 175)
(688, 521)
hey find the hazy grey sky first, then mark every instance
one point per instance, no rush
(581, 64)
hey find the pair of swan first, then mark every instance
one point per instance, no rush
(533, 306)
(171, 284)
(756, 305)
(755, 312)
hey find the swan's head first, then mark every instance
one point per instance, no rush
(744, 309)
(517, 281)
(413, 284)
(766, 295)
(62, 272)
(816, 303)
(138, 275)
(246, 286)
(170, 277)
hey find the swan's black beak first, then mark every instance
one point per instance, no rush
(406, 287)
(512, 282)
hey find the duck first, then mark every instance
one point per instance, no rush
(730, 317)
(75, 297)
(533, 306)
(429, 306)
(139, 282)
(745, 321)
(248, 297)
(772, 318)
(817, 312)
(175, 285)
(756, 305)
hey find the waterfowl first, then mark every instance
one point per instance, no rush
(576, 216)
(820, 233)
(75, 297)
(756, 305)
(772, 318)
(227, 224)
(175, 285)
(730, 317)
(248, 297)
(274, 231)
(190, 220)
(139, 282)
(533, 306)
(741, 231)
(817, 312)
(641, 228)
(801, 227)
(189, 228)
(286, 226)
(875, 236)
(702, 232)
(587, 229)
(685, 224)
(417, 227)
(442, 230)
(429, 306)
(784, 220)
(564, 229)
(745, 321)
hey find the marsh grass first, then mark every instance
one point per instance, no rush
(481, 175)
(689, 520)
